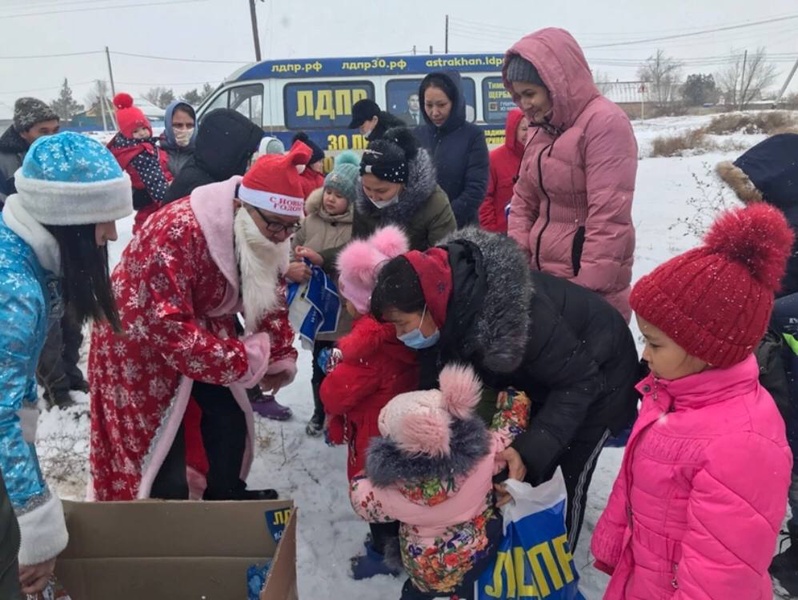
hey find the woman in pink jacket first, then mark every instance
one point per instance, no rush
(696, 508)
(572, 206)
(433, 471)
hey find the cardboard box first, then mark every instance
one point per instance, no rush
(158, 550)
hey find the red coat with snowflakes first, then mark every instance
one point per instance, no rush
(177, 289)
(375, 366)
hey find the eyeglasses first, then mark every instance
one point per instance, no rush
(275, 227)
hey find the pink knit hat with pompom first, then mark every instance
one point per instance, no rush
(419, 422)
(360, 263)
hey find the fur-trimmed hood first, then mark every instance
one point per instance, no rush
(369, 337)
(420, 186)
(496, 333)
(767, 171)
(314, 206)
(387, 464)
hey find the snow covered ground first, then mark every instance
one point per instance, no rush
(314, 475)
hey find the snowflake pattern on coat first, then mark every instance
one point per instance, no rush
(166, 286)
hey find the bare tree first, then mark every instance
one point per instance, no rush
(746, 77)
(661, 73)
(160, 96)
(99, 89)
(602, 81)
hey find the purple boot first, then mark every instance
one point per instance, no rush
(266, 406)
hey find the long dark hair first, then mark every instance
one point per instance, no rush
(86, 276)
(398, 287)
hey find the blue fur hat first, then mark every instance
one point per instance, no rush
(70, 179)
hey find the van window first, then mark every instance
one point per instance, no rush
(246, 99)
(324, 104)
(496, 100)
(398, 92)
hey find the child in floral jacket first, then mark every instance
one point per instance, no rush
(432, 470)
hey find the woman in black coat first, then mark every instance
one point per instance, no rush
(474, 300)
(225, 143)
(457, 147)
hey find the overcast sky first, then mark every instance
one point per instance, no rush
(220, 30)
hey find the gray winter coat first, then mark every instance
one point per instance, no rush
(12, 150)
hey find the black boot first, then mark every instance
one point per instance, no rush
(784, 567)
(316, 424)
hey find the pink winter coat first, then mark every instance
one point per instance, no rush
(572, 206)
(696, 508)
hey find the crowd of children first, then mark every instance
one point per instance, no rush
(453, 365)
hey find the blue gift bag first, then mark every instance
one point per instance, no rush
(533, 560)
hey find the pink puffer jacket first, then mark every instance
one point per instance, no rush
(572, 206)
(696, 508)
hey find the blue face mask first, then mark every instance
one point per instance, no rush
(417, 340)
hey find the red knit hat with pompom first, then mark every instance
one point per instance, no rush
(128, 117)
(715, 301)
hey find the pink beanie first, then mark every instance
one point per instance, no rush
(419, 422)
(360, 263)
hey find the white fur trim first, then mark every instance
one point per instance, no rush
(28, 419)
(289, 206)
(44, 532)
(21, 222)
(258, 348)
(72, 203)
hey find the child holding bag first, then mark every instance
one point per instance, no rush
(701, 494)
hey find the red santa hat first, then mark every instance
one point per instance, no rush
(273, 182)
(128, 116)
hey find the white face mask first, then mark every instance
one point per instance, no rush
(183, 136)
(366, 134)
(385, 203)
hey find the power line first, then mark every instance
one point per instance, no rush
(96, 8)
(686, 35)
(173, 59)
(51, 55)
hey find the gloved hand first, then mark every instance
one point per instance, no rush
(328, 359)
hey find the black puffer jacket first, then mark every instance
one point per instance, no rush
(225, 142)
(562, 344)
(460, 155)
(12, 150)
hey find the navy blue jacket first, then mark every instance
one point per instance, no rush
(460, 155)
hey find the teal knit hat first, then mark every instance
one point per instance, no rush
(70, 179)
(344, 176)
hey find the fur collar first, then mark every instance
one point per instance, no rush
(420, 186)
(33, 233)
(502, 327)
(313, 206)
(387, 464)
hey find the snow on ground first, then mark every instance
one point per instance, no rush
(314, 475)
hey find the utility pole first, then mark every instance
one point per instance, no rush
(254, 17)
(446, 40)
(110, 72)
(430, 49)
(786, 83)
(742, 82)
(414, 49)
